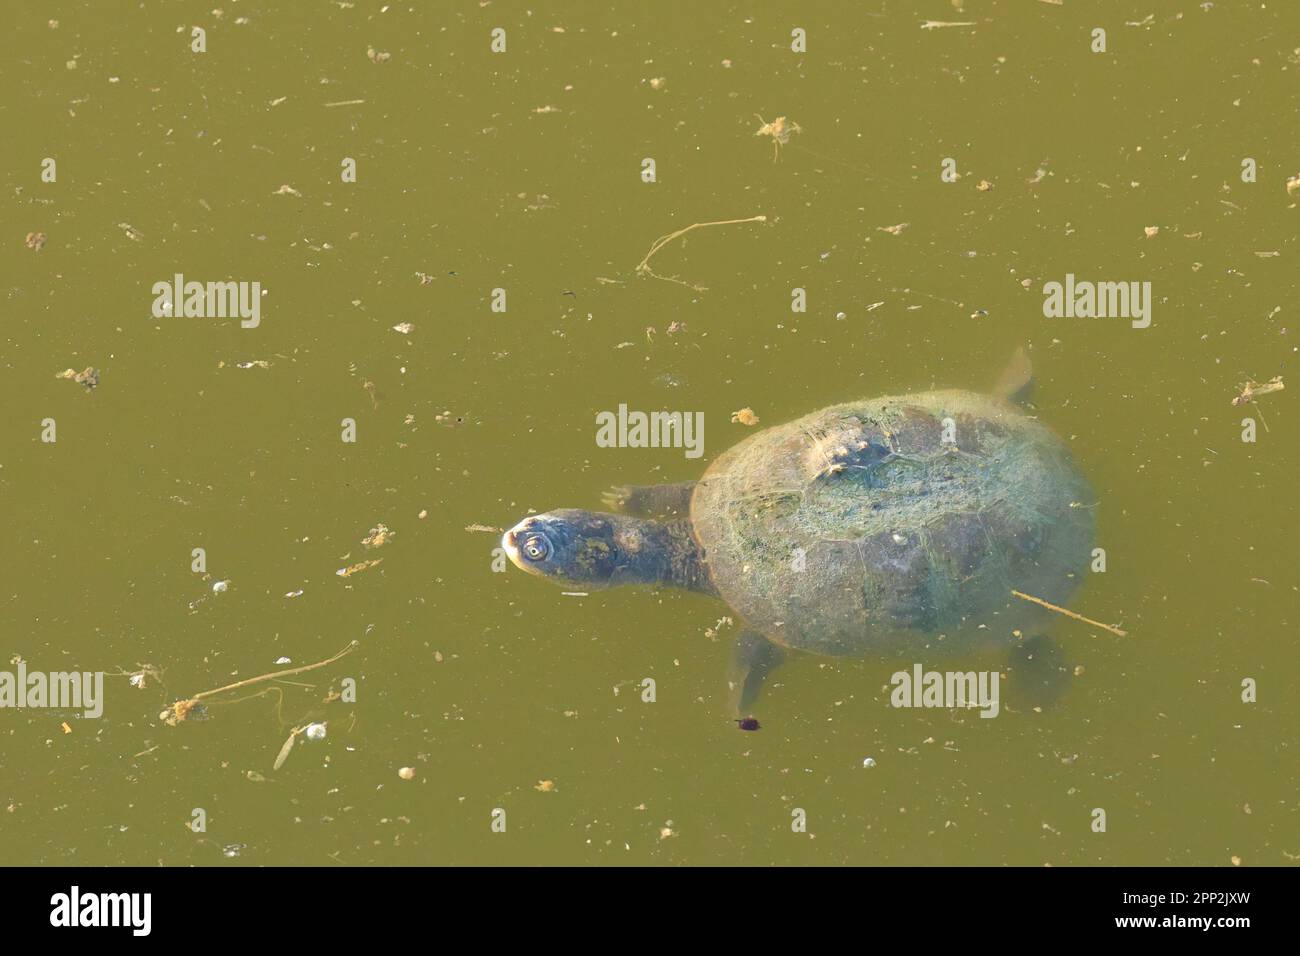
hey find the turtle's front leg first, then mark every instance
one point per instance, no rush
(752, 659)
(651, 501)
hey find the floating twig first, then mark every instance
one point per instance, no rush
(178, 711)
(643, 267)
(1061, 610)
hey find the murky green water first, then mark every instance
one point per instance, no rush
(522, 171)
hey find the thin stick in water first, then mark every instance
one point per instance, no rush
(1077, 617)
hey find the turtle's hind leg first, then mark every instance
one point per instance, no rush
(752, 659)
(651, 501)
(1040, 674)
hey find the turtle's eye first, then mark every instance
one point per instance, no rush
(537, 548)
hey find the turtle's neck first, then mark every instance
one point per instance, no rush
(665, 553)
(687, 568)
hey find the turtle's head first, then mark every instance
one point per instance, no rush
(581, 548)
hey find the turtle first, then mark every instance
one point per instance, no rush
(875, 528)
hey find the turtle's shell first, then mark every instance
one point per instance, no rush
(895, 524)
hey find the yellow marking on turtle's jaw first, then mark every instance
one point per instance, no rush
(509, 542)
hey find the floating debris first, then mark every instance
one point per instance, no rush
(35, 240)
(220, 587)
(643, 267)
(748, 723)
(132, 233)
(937, 24)
(658, 83)
(780, 129)
(287, 748)
(984, 185)
(745, 416)
(179, 710)
(407, 773)
(357, 568)
(545, 786)
(1151, 231)
(894, 230)
(404, 327)
(286, 190)
(315, 731)
(1293, 184)
(255, 363)
(293, 594)
(88, 377)
(712, 632)
(869, 762)
(540, 202)
(1252, 390)
(484, 527)
(376, 57)
(378, 537)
